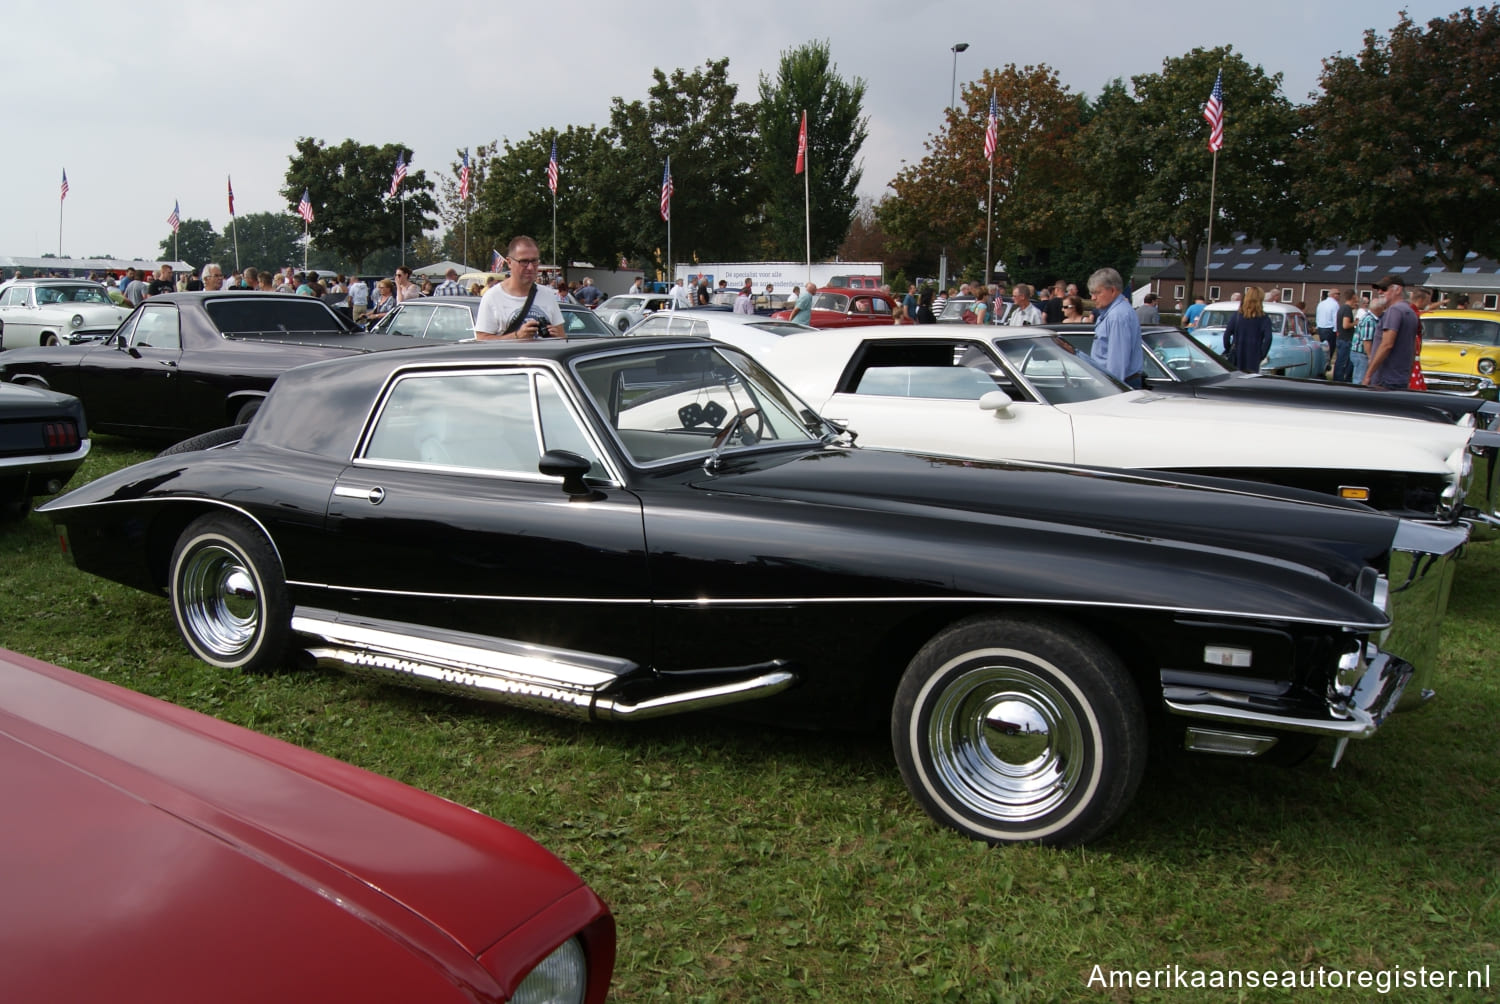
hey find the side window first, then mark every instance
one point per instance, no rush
(14, 297)
(881, 307)
(411, 321)
(951, 371)
(157, 329)
(451, 324)
(861, 305)
(480, 422)
(560, 428)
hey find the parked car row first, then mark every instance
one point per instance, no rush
(620, 529)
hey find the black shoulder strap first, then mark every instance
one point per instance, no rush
(520, 318)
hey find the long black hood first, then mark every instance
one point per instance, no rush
(1335, 538)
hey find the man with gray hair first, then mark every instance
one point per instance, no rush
(1117, 331)
(213, 277)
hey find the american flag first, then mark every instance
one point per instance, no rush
(399, 173)
(552, 169)
(175, 220)
(992, 130)
(463, 180)
(496, 259)
(231, 194)
(64, 186)
(304, 208)
(1214, 113)
(802, 146)
(666, 191)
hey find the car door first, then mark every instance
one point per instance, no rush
(17, 319)
(442, 518)
(134, 382)
(924, 396)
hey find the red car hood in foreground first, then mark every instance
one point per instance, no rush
(156, 854)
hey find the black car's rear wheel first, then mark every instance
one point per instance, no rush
(1019, 729)
(229, 594)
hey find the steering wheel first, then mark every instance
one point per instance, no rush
(748, 437)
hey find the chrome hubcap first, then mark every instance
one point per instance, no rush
(1006, 743)
(219, 601)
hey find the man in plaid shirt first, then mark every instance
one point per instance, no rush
(449, 286)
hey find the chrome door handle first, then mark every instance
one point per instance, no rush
(374, 495)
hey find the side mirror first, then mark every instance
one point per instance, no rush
(997, 401)
(571, 468)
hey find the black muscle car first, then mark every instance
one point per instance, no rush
(43, 439)
(611, 532)
(184, 363)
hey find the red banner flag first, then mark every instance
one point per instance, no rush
(802, 146)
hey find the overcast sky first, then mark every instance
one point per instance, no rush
(144, 108)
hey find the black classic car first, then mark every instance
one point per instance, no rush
(43, 439)
(615, 531)
(1176, 363)
(184, 363)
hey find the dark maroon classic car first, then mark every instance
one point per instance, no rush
(156, 854)
(619, 529)
(184, 363)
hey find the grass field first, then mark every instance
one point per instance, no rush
(745, 864)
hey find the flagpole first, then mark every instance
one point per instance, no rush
(1208, 254)
(554, 226)
(306, 240)
(234, 231)
(59, 225)
(403, 226)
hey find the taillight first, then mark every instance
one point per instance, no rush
(60, 436)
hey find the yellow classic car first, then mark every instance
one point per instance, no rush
(1461, 350)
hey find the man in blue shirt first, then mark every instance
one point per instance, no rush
(803, 312)
(1191, 315)
(1117, 331)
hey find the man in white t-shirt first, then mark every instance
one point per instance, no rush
(682, 297)
(500, 308)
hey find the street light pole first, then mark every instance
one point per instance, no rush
(953, 90)
(952, 100)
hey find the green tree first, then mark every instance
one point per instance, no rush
(710, 136)
(348, 185)
(1402, 142)
(1148, 166)
(515, 197)
(808, 81)
(944, 199)
(194, 242)
(264, 240)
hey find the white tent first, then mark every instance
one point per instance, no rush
(438, 269)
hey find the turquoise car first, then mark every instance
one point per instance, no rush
(1294, 352)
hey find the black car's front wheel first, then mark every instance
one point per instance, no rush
(1019, 729)
(229, 594)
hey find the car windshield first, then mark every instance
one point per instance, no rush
(953, 310)
(1219, 318)
(71, 294)
(1472, 330)
(665, 405)
(1185, 358)
(584, 322)
(621, 303)
(1058, 372)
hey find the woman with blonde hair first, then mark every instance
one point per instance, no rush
(1247, 336)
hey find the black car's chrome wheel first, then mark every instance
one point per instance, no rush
(229, 595)
(1011, 729)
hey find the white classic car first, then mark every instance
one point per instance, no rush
(625, 309)
(1029, 395)
(56, 312)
